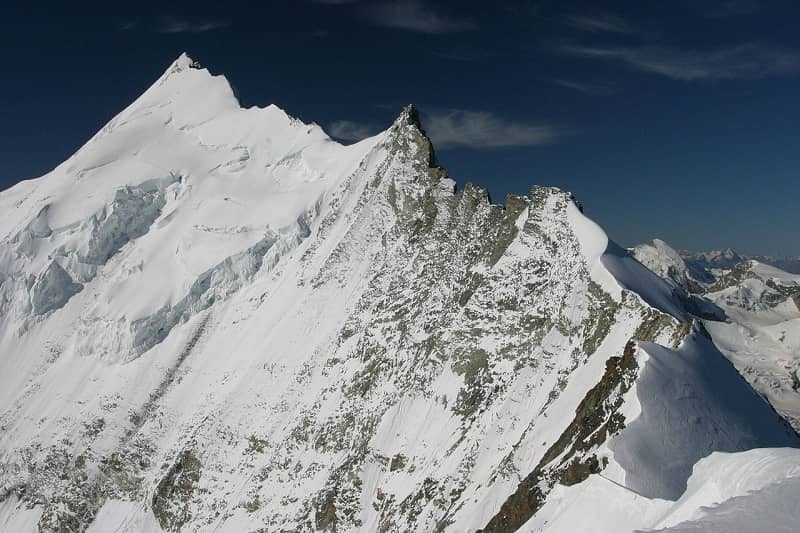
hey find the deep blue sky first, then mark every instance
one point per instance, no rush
(678, 120)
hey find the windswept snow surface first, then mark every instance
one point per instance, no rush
(745, 492)
(218, 319)
(615, 269)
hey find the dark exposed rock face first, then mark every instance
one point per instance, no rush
(173, 493)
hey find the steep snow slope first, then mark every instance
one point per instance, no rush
(218, 319)
(202, 178)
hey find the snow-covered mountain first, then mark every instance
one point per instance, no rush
(758, 327)
(786, 263)
(659, 257)
(218, 319)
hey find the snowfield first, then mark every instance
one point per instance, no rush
(219, 319)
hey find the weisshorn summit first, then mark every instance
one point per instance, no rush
(219, 319)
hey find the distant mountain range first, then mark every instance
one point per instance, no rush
(728, 258)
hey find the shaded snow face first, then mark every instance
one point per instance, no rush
(53, 289)
(691, 406)
(132, 212)
(217, 317)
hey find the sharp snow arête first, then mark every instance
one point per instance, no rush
(218, 319)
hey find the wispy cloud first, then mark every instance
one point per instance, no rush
(462, 54)
(603, 22)
(347, 130)
(529, 8)
(414, 16)
(747, 61)
(452, 128)
(730, 8)
(482, 129)
(181, 25)
(582, 87)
